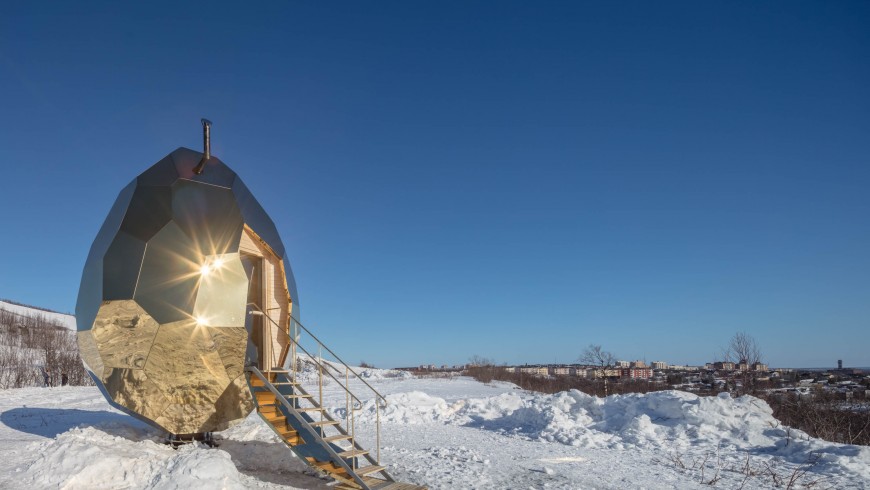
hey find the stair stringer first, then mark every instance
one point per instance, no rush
(313, 450)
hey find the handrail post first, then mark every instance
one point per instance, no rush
(320, 378)
(378, 429)
(347, 398)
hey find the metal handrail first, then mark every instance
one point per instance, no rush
(335, 457)
(376, 392)
(312, 356)
(356, 405)
(319, 362)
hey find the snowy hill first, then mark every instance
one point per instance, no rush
(449, 433)
(68, 321)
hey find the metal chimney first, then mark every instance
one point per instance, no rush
(206, 144)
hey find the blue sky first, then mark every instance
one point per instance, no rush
(514, 180)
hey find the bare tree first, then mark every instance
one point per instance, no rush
(602, 360)
(743, 351)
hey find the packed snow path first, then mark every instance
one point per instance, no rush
(448, 433)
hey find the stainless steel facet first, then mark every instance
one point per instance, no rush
(124, 334)
(161, 174)
(89, 352)
(150, 210)
(161, 310)
(170, 275)
(131, 389)
(208, 215)
(256, 218)
(121, 266)
(215, 172)
(184, 363)
(91, 288)
(223, 292)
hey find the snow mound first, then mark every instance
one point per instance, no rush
(661, 421)
(91, 458)
(378, 374)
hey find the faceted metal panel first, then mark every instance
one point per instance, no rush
(231, 345)
(121, 266)
(223, 292)
(291, 287)
(185, 364)
(124, 334)
(91, 288)
(150, 209)
(170, 275)
(161, 308)
(132, 389)
(256, 218)
(89, 352)
(214, 173)
(161, 174)
(208, 215)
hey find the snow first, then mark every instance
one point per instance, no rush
(448, 433)
(65, 320)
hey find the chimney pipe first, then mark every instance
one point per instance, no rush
(206, 143)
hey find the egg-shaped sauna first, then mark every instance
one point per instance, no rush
(165, 328)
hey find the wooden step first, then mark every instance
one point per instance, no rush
(268, 409)
(352, 453)
(321, 423)
(368, 470)
(299, 395)
(378, 484)
(310, 409)
(265, 397)
(277, 421)
(340, 437)
(286, 431)
(330, 467)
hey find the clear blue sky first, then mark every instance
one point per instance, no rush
(514, 180)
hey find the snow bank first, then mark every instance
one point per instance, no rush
(91, 458)
(662, 421)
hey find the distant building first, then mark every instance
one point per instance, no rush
(635, 373)
(560, 370)
(723, 366)
(535, 370)
(839, 364)
(637, 364)
(759, 367)
(659, 365)
(598, 373)
(622, 364)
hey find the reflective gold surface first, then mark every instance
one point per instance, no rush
(162, 304)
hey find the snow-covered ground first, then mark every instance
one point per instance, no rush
(68, 321)
(448, 433)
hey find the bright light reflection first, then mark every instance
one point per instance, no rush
(201, 321)
(207, 268)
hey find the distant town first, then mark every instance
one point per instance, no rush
(713, 376)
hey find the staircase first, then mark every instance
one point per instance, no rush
(303, 423)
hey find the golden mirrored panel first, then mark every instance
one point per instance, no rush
(184, 363)
(162, 304)
(89, 352)
(223, 292)
(124, 333)
(132, 389)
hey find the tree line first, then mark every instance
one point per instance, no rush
(38, 351)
